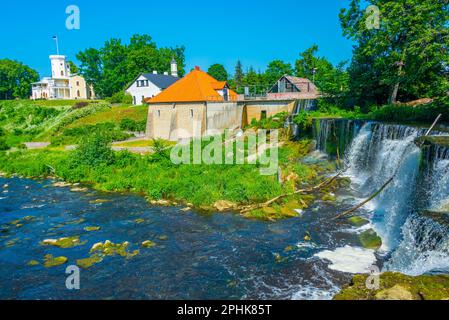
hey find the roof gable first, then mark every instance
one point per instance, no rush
(161, 81)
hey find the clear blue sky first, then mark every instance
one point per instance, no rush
(254, 31)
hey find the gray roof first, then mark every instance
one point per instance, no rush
(161, 80)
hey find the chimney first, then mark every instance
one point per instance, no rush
(197, 68)
(174, 67)
(154, 72)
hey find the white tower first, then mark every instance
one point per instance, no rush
(59, 67)
(174, 67)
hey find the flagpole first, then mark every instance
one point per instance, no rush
(57, 44)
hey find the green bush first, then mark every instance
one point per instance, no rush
(120, 97)
(132, 125)
(94, 151)
(3, 145)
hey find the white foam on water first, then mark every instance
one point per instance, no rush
(313, 293)
(349, 259)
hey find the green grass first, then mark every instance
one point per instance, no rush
(115, 115)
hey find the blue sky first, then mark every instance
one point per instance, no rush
(254, 31)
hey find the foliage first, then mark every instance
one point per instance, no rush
(303, 120)
(331, 81)
(277, 69)
(73, 68)
(405, 58)
(3, 144)
(133, 125)
(121, 97)
(16, 79)
(80, 105)
(238, 74)
(420, 113)
(275, 122)
(218, 72)
(75, 135)
(93, 151)
(116, 64)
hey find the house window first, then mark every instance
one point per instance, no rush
(78, 83)
(263, 115)
(62, 73)
(159, 113)
(191, 113)
(78, 93)
(134, 100)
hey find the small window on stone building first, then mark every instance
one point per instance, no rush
(263, 115)
(159, 113)
(191, 113)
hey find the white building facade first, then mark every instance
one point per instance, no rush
(149, 85)
(62, 84)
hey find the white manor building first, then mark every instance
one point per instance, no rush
(149, 85)
(62, 84)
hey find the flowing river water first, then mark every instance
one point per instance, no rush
(225, 256)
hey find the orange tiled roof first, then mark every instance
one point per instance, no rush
(195, 87)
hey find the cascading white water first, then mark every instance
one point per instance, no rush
(418, 243)
(377, 153)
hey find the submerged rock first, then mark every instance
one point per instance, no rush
(50, 261)
(163, 237)
(148, 244)
(89, 262)
(61, 184)
(64, 243)
(92, 228)
(100, 201)
(370, 240)
(33, 263)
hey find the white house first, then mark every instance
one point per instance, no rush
(62, 84)
(148, 85)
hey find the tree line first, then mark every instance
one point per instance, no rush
(402, 57)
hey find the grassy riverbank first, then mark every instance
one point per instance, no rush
(156, 177)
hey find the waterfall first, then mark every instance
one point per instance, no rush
(410, 214)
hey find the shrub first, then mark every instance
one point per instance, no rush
(132, 125)
(80, 105)
(3, 145)
(121, 97)
(94, 151)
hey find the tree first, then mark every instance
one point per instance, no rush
(276, 69)
(331, 80)
(16, 79)
(405, 57)
(111, 68)
(238, 75)
(218, 72)
(73, 68)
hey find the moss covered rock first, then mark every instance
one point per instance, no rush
(92, 228)
(67, 242)
(109, 248)
(396, 286)
(33, 263)
(89, 262)
(370, 240)
(148, 244)
(50, 261)
(357, 221)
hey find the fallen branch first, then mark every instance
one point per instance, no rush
(324, 183)
(348, 212)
